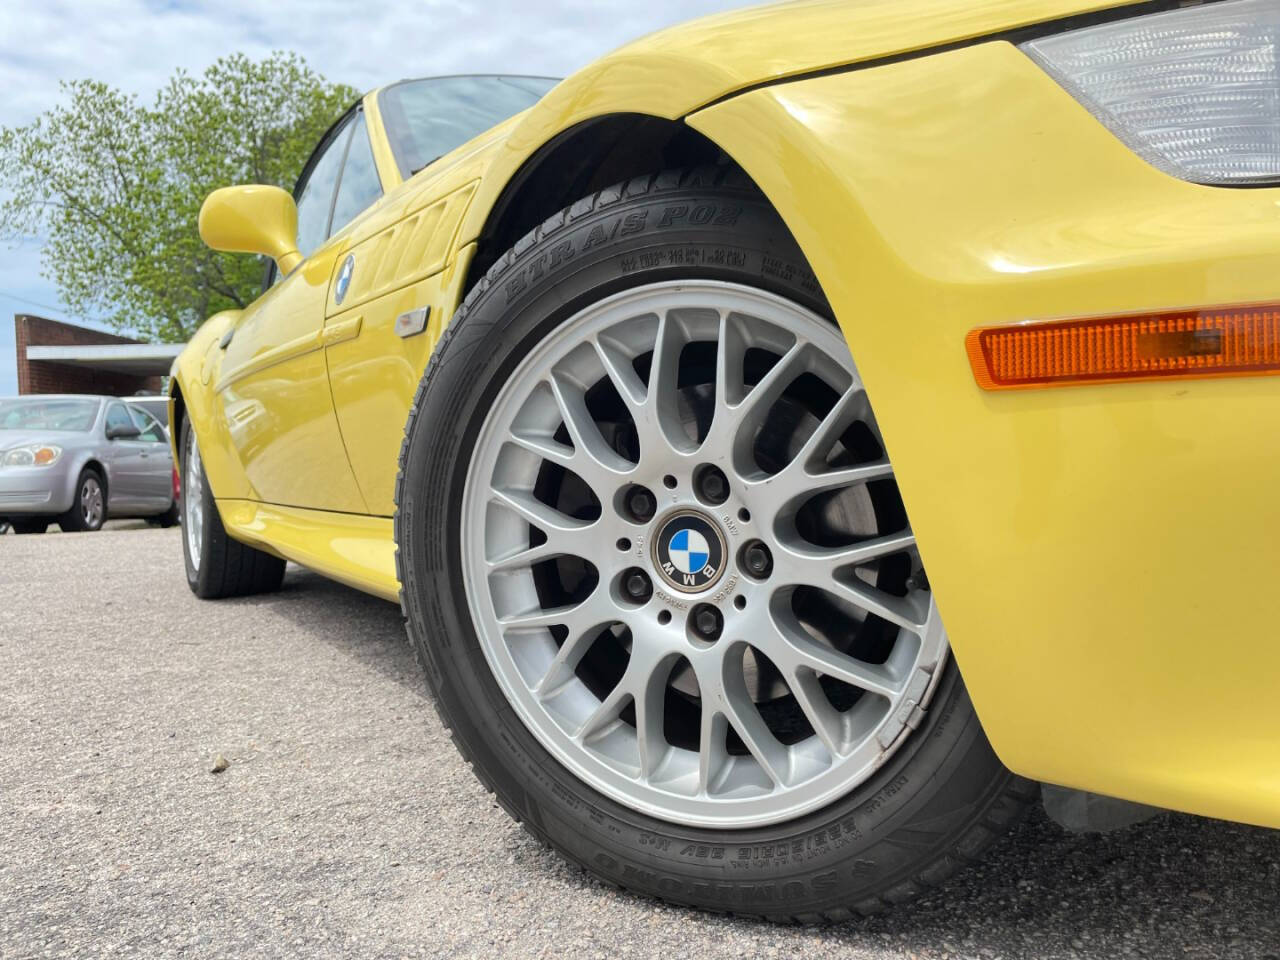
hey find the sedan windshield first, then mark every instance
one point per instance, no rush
(425, 119)
(37, 413)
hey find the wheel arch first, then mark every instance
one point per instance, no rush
(177, 414)
(577, 162)
(621, 117)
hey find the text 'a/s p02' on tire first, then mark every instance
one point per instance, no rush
(656, 568)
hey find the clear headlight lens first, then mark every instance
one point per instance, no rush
(35, 455)
(1195, 91)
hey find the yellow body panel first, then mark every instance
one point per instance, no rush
(356, 550)
(1101, 555)
(272, 389)
(414, 262)
(675, 71)
(374, 379)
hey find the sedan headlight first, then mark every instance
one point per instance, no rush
(1195, 91)
(35, 455)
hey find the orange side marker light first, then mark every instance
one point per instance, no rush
(1239, 341)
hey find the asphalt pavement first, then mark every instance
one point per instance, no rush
(345, 824)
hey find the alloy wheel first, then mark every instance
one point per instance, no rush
(687, 560)
(92, 506)
(193, 502)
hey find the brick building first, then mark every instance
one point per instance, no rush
(57, 357)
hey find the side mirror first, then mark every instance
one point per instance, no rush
(252, 219)
(123, 431)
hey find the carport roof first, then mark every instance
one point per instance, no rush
(140, 359)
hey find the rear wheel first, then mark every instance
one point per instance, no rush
(662, 582)
(89, 512)
(217, 566)
(170, 518)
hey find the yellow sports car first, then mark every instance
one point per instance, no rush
(795, 437)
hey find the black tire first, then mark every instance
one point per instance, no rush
(939, 801)
(73, 521)
(170, 518)
(225, 567)
(30, 526)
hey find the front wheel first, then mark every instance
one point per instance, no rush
(89, 512)
(658, 572)
(217, 566)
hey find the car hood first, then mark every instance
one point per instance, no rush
(766, 43)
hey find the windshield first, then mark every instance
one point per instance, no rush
(36, 413)
(425, 119)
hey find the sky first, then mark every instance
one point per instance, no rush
(136, 45)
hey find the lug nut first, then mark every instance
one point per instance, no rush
(706, 621)
(712, 485)
(641, 504)
(636, 584)
(756, 559)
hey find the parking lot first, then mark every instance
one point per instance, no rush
(346, 824)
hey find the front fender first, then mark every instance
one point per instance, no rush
(673, 72)
(1101, 554)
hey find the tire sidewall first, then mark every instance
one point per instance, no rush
(809, 864)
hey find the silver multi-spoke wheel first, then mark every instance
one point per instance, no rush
(193, 502)
(92, 504)
(687, 561)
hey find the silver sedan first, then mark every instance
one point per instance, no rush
(77, 460)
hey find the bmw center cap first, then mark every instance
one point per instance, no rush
(690, 552)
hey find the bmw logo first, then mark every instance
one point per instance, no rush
(689, 550)
(344, 278)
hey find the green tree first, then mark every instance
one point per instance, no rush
(114, 186)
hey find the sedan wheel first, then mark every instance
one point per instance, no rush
(89, 512)
(661, 578)
(92, 505)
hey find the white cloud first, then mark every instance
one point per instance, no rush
(136, 45)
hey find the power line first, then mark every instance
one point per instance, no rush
(34, 303)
